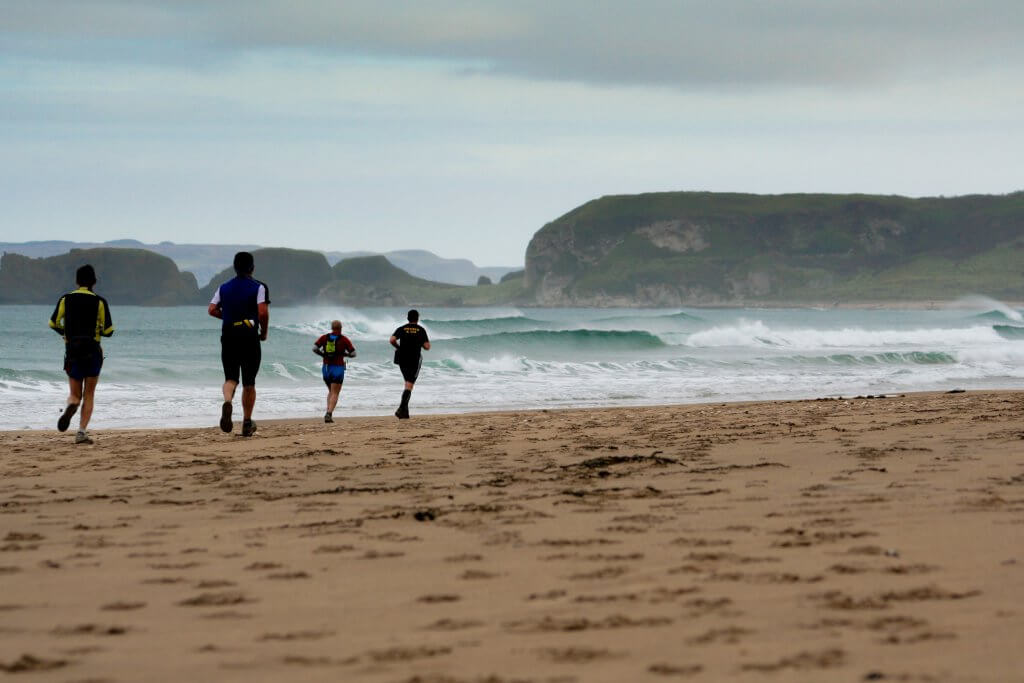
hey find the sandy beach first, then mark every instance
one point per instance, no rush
(832, 540)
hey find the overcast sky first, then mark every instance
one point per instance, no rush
(462, 126)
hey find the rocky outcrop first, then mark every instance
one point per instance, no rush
(672, 249)
(126, 276)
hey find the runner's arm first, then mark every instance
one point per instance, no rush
(214, 308)
(57, 319)
(105, 323)
(264, 316)
(394, 341)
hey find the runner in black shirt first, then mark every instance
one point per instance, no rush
(409, 340)
(82, 317)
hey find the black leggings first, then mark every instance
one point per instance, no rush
(240, 352)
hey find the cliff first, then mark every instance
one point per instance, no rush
(294, 276)
(126, 276)
(671, 249)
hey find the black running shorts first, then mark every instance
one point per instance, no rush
(240, 354)
(411, 369)
(83, 358)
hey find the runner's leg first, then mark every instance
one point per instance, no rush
(74, 391)
(248, 401)
(332, 397)
(88, 394)
(71, 407)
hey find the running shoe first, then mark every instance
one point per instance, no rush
(225, 417)
(83, 437)
(65, 420)
(402, 413)
(248, 427)
(328, 417)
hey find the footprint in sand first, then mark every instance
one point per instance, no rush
(729, 634)
(333, 549)
(600, 574)
(301, 660)
(296, 635)
(287, 576)
(260, 566)
(675, 670)
(453, 625)
(122, 606)
(554, 625)
(29, 663)
(216, 599)
(90, 630)
(227, 615)
(547, 595)
(577, 655)
(165, 580)
(438, 598)
(381, 554)
(475, 574)
(406, 654)
(803, 661)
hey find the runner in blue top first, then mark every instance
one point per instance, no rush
(243, 304)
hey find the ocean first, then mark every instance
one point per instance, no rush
(162, 365)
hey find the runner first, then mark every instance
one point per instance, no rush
(334, 347)
(243, 303)
(81, 317)
(409, 340)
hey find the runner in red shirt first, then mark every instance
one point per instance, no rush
(334, 348)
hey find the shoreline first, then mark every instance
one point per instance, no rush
(897, 305)
(507, 412)
(816, 540)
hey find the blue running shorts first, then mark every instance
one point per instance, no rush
(333, 374)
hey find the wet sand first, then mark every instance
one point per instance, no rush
(867, 539)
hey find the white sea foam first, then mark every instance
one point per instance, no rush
(502, 359)
(758, 334)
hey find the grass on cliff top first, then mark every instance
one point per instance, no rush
(743, 224)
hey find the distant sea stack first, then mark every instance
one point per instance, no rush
(126, 276)
(376, 281)
(678, 248)
(293, 276)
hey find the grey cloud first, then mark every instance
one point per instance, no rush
(681, 43)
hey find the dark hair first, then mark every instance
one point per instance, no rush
(414, 316)
(244, 264)
(85, 276)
